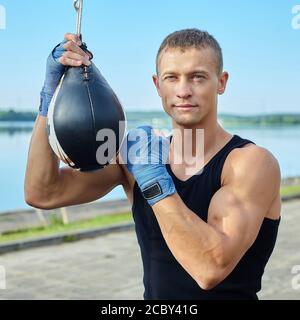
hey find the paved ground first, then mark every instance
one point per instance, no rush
(109, 267)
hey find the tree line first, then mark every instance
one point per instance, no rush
(226, 119)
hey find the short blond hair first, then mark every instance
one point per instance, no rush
(192, 38)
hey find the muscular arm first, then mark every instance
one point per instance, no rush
(47, 186)
(210, 251)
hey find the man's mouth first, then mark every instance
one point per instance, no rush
(184, 106)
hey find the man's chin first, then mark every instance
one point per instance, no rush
(186, 120)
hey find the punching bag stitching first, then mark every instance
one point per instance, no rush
(92, 112)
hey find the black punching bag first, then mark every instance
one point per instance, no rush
(86, 122)
(82, 106)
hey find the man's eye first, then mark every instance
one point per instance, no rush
(170, 78)
(198, 77)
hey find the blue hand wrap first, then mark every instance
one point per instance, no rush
(145, 158)
(54, 72)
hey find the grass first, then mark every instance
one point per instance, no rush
(56, 226)
(290, 190)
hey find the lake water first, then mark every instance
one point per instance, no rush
(283, 142)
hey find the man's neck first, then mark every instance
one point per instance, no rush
(212, 136)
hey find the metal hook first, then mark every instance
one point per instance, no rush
(78, 4)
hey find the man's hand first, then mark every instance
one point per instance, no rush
(67, 53)
(145, 158)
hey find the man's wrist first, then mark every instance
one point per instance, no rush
(45, 100)
(54, 72)
(158, 189)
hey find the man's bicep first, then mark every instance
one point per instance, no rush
(237, 210)
(238, 220)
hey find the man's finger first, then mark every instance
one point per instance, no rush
(70, 62)
(71, 46)
(162, 133)
(76, 56)
(72, 37)
(156, 132)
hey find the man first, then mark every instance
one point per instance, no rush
(207, 234)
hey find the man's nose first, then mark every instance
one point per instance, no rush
(184, 90)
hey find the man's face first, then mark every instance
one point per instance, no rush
(188, 83)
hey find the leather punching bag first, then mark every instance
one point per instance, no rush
(83, 104)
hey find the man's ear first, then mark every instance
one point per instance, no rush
(156, 83)
(222, 82)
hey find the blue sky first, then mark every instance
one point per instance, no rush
(261, 49)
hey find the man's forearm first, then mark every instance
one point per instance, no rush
(196, 245)
(42, 170)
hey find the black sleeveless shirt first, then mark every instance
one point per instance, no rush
(164, 277)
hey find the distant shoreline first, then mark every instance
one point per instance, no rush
(290, 119)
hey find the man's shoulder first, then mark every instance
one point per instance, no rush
(249, 151)
(251, 155)
(252, 162)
